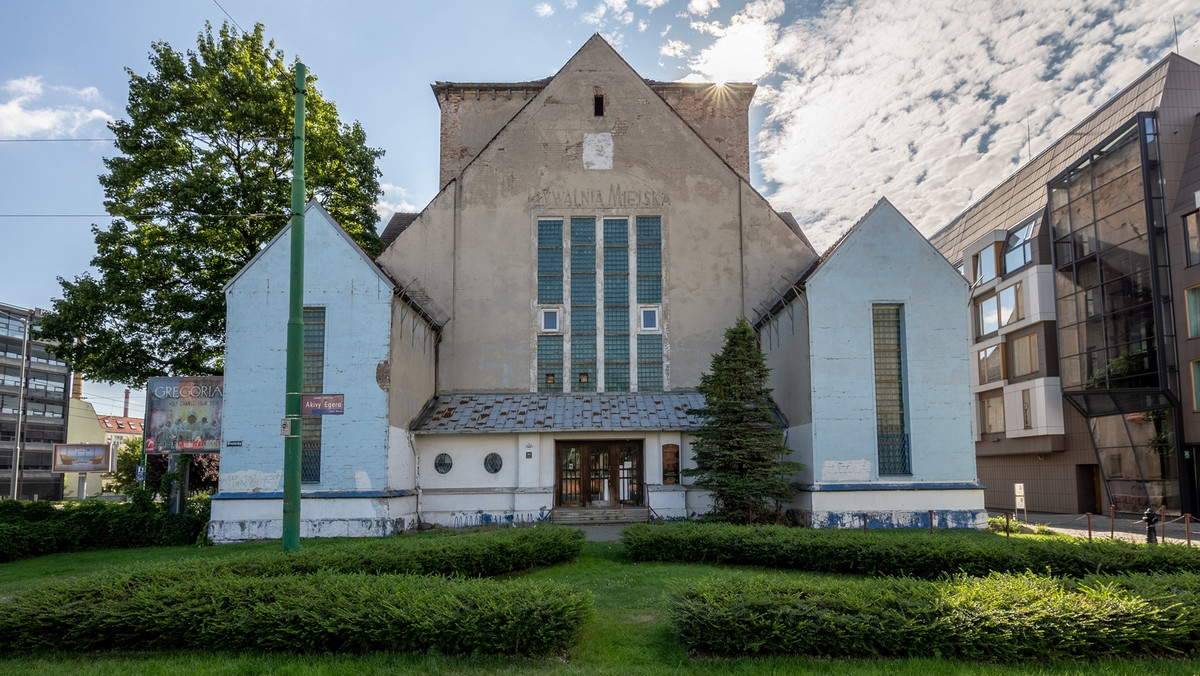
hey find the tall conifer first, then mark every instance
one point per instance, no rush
(739, 446)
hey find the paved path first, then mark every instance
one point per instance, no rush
(1121, 528)
(1076, 525)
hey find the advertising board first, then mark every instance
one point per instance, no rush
(183, 415)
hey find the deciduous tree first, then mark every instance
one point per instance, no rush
(201, 182)
(739, 446)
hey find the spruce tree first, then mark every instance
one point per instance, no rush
(739, 448)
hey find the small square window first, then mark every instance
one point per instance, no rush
(550, 320)
(649, 319)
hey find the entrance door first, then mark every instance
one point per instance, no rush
(599, 473)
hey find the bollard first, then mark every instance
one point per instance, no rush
(1007, 527)
(1163, 520)
(1089, 516)
(1151, 519)
(931, 522)
(864, 516)
(1187, 527)
(1112, 522)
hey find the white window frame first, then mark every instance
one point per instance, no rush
(550, 310)
(643, 327)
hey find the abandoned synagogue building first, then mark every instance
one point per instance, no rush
(531, 342)
(1085, 271)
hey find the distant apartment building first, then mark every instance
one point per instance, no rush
(34, 391)
(1084, 268)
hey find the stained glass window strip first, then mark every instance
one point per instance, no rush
(889, 389)
(550, 363)
(583, 305)
(314, 383)
(550, 261)
(650, 362)
(649, 259)
(616, 305)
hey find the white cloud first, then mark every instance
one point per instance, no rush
(674, 48)
(570, 4)
(652, 4)
(742, 51)
(596, 16)
(543, 9)
(702, 7)
(642, 25)
(927, 104)
(24, 115)
(394, 199)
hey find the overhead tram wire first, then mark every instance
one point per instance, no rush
(158, 215)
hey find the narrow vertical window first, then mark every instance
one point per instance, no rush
(1027, 409)
(1191, 230)
(649, 291)
(1196, 385)
(314, 383)
(550, 273)
(1192, 298)
(598, 105)
(583, 305)
(890, 423)
(616, 305)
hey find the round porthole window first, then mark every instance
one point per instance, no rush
(442, 463)
(493, 462)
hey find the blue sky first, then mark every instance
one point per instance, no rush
(930, 104)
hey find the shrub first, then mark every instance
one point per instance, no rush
(92, 524)
(197, 609)
(916, 554)
(481, 554)
(1001, 617)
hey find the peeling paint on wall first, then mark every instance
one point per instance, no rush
(846, 470)
(252, 480)
(598, 151)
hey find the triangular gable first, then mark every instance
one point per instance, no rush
(883, 214)
(597, 42)
(313, 208)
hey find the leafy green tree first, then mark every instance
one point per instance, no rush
(203, 470)
(739, 446)
(129, 456)
(202, 182)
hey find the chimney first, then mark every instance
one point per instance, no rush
(77, 386)
(126, 413)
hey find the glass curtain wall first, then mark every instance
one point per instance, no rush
(1116, 341)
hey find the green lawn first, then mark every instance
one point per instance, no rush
(628, 635)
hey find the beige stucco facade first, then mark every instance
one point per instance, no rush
(473, 249)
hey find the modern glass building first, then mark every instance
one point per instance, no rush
(1083, 310)
(34, 393)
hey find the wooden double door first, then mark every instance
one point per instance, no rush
(599, 473)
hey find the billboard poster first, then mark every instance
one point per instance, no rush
(82, 458)
(183, 415)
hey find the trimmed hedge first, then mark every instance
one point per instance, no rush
(1001, 617)
(475, 554)
(38, 528)
(197, 609)
(907, 553)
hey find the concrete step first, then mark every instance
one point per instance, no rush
(572, 516)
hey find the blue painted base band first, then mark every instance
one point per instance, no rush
(896, 486)
(942, 518)
(324, 495)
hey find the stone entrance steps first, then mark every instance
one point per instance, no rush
(599, 516)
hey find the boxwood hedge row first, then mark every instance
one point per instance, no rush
(197, 609)
(472, 554)
(38, 528)
(1001, 617)
(913, 554)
